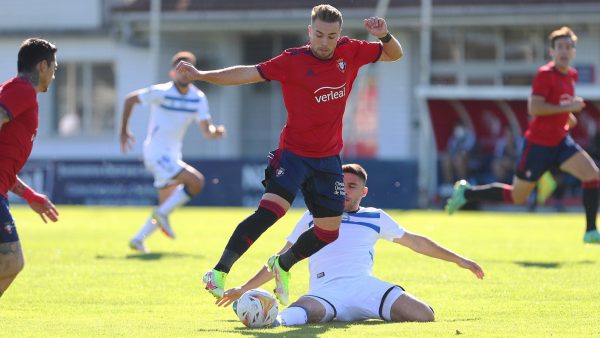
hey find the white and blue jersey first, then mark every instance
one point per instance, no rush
(171, 113)
(352, 254)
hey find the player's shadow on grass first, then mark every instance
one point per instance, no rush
(308, 330)
(550, 265)
(151, 256)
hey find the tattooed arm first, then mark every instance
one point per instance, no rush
(38, 202)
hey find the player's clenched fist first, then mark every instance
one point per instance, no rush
(376, 26)
(187, 69)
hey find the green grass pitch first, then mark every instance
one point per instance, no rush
(81, 280)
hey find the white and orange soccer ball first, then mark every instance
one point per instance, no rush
(256, 308)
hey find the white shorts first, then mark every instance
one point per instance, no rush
(359, 298)
(163, 166)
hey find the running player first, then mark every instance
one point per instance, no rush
(175, 105)
(316, 80)
(553, 105)
(342, 286)
(18, 127)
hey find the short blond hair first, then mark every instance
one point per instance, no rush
(326, 13)
(562, 32)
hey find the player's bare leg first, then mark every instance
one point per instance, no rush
(185, 185)
(304, 310)
(582, 166)
(408, 308)
(11, 263)
(521, 190)
(189, 183)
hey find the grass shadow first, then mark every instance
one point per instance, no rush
(308, 330)
(549, 265)
(459, 320)
(153, 256)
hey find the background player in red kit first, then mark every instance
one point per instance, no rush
(547, 141)
(316, 80)
(18, 126)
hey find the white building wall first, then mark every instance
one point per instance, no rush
(395, 104)
(50, 14)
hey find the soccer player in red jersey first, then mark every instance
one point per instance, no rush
(18, 127)
(553, 105)
(316, 80)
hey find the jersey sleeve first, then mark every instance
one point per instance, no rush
(541, 84)
(367, 52)
(389, 228)
(303, 224)
(203, 110)
(16, 100)
(150, 95)
(275, 69)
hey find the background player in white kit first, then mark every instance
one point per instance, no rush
(174, 106)
(342, 286)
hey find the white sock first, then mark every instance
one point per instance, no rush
(177, 198)
(146, 230)
(293, 316)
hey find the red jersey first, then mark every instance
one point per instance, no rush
(19, 99)
(315, 93)
(556, 88)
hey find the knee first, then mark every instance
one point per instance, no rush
(427, 316)
(195, 185)
(519, 199)
(12, 267)
(421, 314)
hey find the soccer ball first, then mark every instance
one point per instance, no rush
(256, 308)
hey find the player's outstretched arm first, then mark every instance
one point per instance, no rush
(260, 278)
(236, 75)
(126, 138)
(426, 246)
(537, 105)
(38, 202)
(392, 50)
(210, 131)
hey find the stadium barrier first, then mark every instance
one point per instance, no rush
(392, 184)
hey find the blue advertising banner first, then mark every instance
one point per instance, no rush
(392, 184)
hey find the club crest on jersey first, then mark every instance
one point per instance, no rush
(8, 228)
(279, 172)
(341, 64)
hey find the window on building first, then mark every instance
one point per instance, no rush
(480, 81)
(480, 45)
(84, 98)
(520, 79)
(522, 46)
(446, 46)
(443, 79)
(481, 56)
(263, 113)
